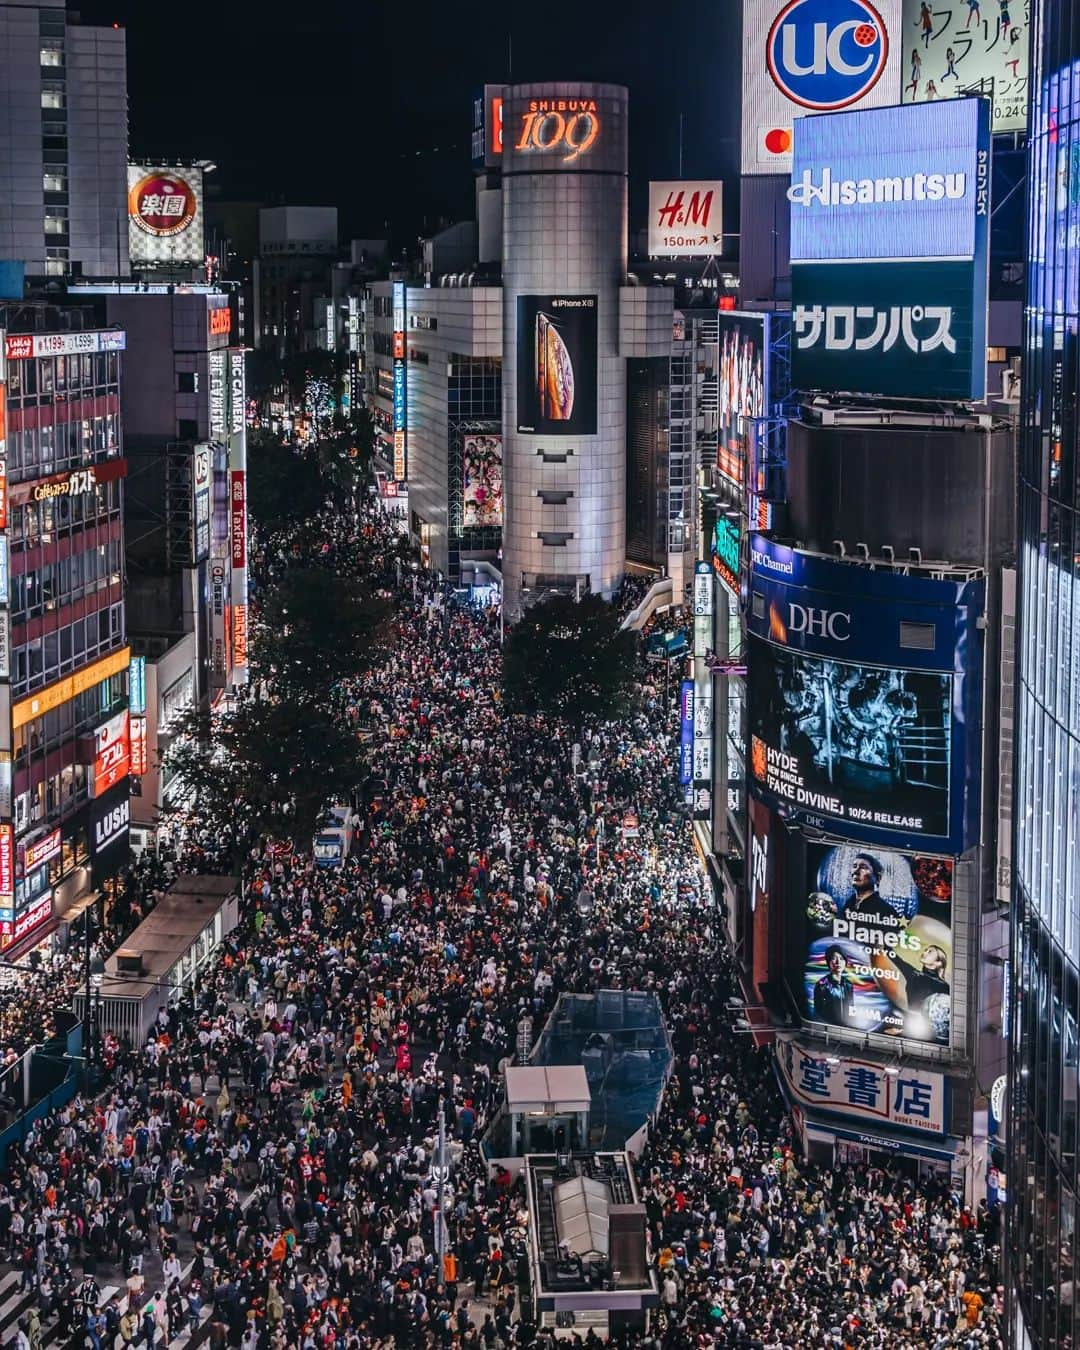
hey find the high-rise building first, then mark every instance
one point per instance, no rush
(1044, 1026)
(63, 142)
(65, 747)
(564, 249)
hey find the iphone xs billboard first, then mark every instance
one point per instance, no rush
(556, 364)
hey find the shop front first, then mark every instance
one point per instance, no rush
(866, 1112)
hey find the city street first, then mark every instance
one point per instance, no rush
(349, 1001)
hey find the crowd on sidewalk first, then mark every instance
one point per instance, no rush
(273, 1140)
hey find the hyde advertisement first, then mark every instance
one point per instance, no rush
(482, 502)
(878, 950)
(865, 696)
(556, 364)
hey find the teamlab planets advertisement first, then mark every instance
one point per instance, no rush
(878, 944)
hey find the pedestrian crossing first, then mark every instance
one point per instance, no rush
(16, 1303)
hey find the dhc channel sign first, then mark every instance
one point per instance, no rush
(827, 54)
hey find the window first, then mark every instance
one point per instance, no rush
(187, 382)
(54, 182)
(56, 221)
(52, 56)
(52, 98)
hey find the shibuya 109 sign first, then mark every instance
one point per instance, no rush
(889, 226)
(564, 128)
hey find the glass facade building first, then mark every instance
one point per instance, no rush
(1043, 1178)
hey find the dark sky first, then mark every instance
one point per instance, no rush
(367, 106)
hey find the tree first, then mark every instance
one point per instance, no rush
(284, 485)
(267, 769)
(569, 659)
(315, 629)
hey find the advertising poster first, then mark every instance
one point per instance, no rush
(954, 50)
(812, 56)
(686, 220)
(878, 950)
(112, 755)
(110, 818)
(726, 547)
(165, 214)
(686, 732)
(556, 364)
(889, 222)
(865, 695)
(852, 742)
(741, 388)
(483, 488)
(200, 505)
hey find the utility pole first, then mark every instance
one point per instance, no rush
(441, 1172)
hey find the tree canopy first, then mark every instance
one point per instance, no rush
(569, 659)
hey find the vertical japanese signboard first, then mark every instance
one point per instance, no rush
(401, 453)
(229, 627)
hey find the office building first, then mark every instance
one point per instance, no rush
(1044, 1017)
(64, 728)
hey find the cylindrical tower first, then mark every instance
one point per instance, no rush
(564, 383)
(1044, 1032)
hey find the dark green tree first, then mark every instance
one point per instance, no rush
(569, 659)
(266, 770)
(315, 629)
(285, 486)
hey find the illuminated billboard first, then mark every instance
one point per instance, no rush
(865, 699)
(483, 486)
(165, 215)
(741, 388)
(952, 51)
(877, 954)
(812, 56)
(889, 223)
(556, 364)
(112, 754)
(726, 548)
(686, 220)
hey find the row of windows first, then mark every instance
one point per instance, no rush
(86, 372)
(33, 523)
(61, 582)
(78, 715)
(46, 659)
(64, 791)
(38, 451)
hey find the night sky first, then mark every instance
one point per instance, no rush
(367, 106)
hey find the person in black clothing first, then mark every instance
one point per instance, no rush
(834, 993)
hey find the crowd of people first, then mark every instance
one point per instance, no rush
(260, 1171)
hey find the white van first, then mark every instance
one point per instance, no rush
(334, 840)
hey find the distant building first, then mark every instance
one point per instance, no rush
(63, 142)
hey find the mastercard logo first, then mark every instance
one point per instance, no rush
(776, 140)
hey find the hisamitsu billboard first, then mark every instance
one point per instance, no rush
(890, 210)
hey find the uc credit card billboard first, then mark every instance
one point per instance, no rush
(865, 696)
(812, 56)
(890, 210)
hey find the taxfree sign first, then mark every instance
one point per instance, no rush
(889, 216)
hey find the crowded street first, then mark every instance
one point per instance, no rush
(259, 1173)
